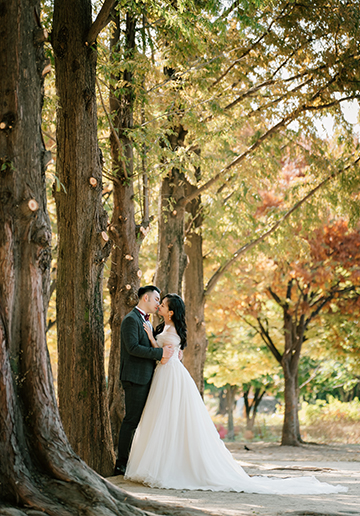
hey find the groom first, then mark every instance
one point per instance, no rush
(137, 363)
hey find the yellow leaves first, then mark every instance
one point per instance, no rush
(269, 200)
(236, 364)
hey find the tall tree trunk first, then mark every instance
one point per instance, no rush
(250, 416)
(171, 257)
(230, 399)
(125, 275)
(195, 352)
(83, 241)
(290, 363)
(25, 237)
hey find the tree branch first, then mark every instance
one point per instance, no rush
(101, 21)
(119, 144)
(276, 297)
(311, 377)
(326, 300)
(223, 268)
(264, 334)
(289, 288)
(249, 49)
(285, 121)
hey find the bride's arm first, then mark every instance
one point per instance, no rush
(151, 336)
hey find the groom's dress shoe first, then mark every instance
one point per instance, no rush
(119, 470)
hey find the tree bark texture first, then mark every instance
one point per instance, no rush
(230, 402)
(171, 257)
(125, 274)
(195, 352)
(25, 236)
(39, 472)
(83, 242)
(290, 363)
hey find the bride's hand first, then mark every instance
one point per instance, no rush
(150, 335)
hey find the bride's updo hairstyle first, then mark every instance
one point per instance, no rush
(176, 305)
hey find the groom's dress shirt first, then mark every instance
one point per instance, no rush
(146, 317)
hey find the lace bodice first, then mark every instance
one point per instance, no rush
(168, 337)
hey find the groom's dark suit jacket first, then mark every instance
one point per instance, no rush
(138, 357)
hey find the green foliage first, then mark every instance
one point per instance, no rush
(330, 410)
(230, 76)
(236, 355)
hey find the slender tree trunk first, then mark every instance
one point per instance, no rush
(83, 241)
(289, 430)
(230, 399)
(125, 275)
(289, 363)
(222, 402)
(251, 407)
(171, 257)
(195, 352)
(250, 415)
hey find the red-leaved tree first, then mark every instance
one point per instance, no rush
(325, 277)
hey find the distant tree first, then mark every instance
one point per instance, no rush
(325, 278)
(238, 362)
(253, 393)
(245, 112)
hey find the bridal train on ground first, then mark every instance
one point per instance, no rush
(176, 445)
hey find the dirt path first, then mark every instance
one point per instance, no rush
(336, 464)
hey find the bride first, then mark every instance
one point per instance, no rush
(176, 444)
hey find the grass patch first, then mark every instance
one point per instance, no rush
(330, 422)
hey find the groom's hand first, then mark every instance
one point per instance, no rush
(168, 352)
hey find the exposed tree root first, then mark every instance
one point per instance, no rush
(87, 495)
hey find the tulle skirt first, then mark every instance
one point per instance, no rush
(176, 445)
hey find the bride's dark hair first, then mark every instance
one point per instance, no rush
(176, 305)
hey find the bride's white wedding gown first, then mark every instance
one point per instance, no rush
(176, 445)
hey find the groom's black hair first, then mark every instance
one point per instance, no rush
(148, 288)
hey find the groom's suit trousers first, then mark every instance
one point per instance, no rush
(135, 399)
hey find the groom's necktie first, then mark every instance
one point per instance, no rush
(147, 317)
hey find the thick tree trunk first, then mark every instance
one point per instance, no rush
(125, 275)
(195, 352)
(171, 257)
(83, 241)
(39, 472)
(25, 235)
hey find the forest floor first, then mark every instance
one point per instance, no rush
(335, 464)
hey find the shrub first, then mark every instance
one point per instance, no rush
(330, 410)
